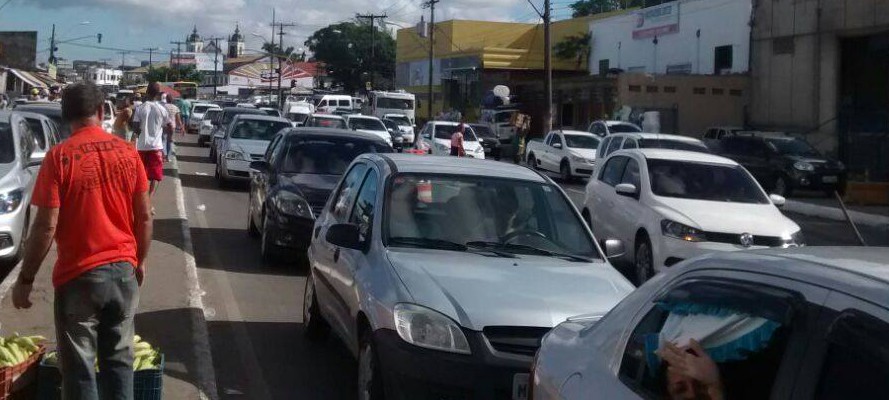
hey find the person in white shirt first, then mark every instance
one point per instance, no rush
(149, 121)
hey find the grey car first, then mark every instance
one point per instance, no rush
(441, 275)
(18, 171)
(825, 311)
(246, 139)
(220, 124)
(46, 133)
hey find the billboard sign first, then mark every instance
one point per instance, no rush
(18, 50)
(259, 74)
(657, 21)
(201, 61)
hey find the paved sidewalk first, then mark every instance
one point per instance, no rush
(169, 316)
(876, 216)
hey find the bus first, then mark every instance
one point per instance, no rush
(186, 89)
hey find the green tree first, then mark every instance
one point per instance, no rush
(185, 73)
(582, 8)
(345, 49)
(574, 48)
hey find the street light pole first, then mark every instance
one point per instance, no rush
(547, 67)
(215, 63)
(280, 70)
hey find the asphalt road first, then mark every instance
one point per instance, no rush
(254, 310)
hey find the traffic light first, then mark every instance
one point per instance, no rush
(99, 37)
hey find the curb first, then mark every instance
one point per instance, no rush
(836, 214)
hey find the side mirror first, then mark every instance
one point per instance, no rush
(627, 189)
(614, 248)
(557, 145)
(777, 200)
(259, 166)
(344, 235)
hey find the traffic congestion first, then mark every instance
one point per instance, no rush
(542, 215)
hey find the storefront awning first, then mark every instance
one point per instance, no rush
(28, 78)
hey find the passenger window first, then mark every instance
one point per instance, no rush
(555, 139)
(630, 144)
(719, 315)
(613, 171)
(347, 192)
(856, 365)
(613, 146)
(363, 212)
(323, 103)
(631, 173)
(711, 134)
(345, 103)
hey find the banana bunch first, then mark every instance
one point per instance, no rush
(16, 349)
(145, 356)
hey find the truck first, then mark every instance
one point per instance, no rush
(500, 121)
(570, 153)
(380, 103)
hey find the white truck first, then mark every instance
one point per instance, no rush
(380, 103)
(570, 153)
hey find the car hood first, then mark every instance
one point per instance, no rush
(724, 217)
(314, 188)
(585, 153)
(479, 291)
(249, 146)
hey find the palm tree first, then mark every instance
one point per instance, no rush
(574, 47)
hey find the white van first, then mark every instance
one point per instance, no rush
(328, 103)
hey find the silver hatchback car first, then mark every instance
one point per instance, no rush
(19, 164)
(801, 323)
(442, 274)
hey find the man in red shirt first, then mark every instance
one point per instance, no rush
(92, 197)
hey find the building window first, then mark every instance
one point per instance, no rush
(651, 89)
(717, 91)
(784, 45)
(722, 60)
(669, 89)
(699, 90)
(604, 66)
(736, 92)
(635, 88)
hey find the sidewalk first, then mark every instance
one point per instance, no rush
(829, 208)
(170, 314)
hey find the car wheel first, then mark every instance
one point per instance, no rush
(644, 261)
(11, 262)
(781, 187)
(532, 162)
(269, 250)
(316, 327)
(220, 180)
(565, 171)
(370, 381)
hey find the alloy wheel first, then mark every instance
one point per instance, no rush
(643, 261)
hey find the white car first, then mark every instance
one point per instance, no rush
(404, 125)
(197, 115)
(368, 124)
(246, 140)
(670, 205)
(642, 140)
(570, 153)
(439, 143)
(605, 128)
(206, 127)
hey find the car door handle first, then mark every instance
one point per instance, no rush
(336, 255)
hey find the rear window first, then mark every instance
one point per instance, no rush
(201, 109)
(257, 129)
(229, 115)
(483, 131)
(7, 144)
(327, 123)
(623, 128)
(673, 145)
(325, 156)
(368, 124)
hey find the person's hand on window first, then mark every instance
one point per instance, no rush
(693, 362)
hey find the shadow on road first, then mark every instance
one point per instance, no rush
(292, 367)
(232, 250)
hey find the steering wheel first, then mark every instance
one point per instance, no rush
(525, 232)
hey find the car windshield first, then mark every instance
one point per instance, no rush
(395, 104)
(297, 117)
(257, 129)
(368, 124)
(700, 181)
(230, 115)
(325, 156)
(7, 145)
(792, 147)
(322, 122)
(400, 120)
(483, 131)
(506, 215)
(582, 141)
(445, 132)
(201, 109)
(210, 114)
(673, 145)
(623, 128)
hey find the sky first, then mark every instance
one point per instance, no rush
(138, 24)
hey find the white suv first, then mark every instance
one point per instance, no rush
(670, 205)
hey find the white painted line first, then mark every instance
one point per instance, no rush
(206, 375)
(573, 190)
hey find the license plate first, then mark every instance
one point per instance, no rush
(520, 386)
(829, 179)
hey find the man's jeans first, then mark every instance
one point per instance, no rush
(94, 314)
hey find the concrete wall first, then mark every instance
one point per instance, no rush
(700, 101)
(721, 23)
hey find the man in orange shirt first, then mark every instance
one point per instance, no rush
(92, 197)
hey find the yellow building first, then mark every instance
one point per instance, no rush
(473, 56)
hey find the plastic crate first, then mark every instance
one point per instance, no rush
(148, 384)
(17, 381)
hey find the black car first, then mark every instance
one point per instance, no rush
(289, 187)
(489, 140)
(783, 164)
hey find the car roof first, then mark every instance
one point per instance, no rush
(316, 132)
(574, 132)
(260, 117)
(31, 114)
(424, 164)
(45, 109)
(852, 270)
(243, 110)
(678, 155)
(662, 136)
(329, 116)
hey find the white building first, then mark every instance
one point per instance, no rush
(680, 37)
(104, 76)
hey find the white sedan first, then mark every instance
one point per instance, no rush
(670, 205)
(436, 138)
(368, 124)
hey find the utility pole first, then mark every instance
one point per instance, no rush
(271, 53)
(52, 45)
(280, 69)
(215, 41)
(123, 55)
(178, 58)
(431, 5)
(150, 51)
(547, 67)
(373, 43)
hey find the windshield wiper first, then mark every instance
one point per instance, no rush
(528, 249)
(441, 244)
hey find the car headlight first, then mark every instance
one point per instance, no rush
(427, 328)
(683, 232)
(578, 159)
(233, 155)
(292, 204)
(803, 166)
(480, 149)
(796, 240)
(9, 202)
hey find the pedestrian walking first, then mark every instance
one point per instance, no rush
(122, 119)
(176, 116)
(149, 122)
(457, 141)
(91, 197)
(184, 106)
